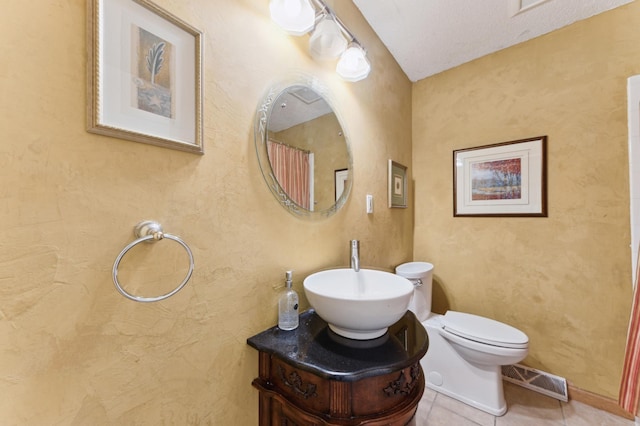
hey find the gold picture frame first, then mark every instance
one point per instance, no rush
(397, 184)
(145, 75)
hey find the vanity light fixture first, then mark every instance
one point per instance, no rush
(297, 17)
(327, 41)
(353, 64)
(330, 38)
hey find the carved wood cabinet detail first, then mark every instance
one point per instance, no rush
(292, 397)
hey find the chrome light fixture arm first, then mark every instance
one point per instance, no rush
(323, 10)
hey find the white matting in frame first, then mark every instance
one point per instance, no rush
(145, 75)
(504, 179)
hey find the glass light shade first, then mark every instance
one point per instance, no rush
(296, 17)
(353, 64)
(327, 41)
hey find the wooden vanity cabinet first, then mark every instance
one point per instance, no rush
(310, 376)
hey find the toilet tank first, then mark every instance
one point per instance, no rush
(421, 275)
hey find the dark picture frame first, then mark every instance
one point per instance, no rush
(503, 179)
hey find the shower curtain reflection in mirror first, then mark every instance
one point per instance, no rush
(293, 167)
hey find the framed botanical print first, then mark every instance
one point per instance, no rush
(144, 75)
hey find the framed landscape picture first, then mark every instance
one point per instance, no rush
(503, 179)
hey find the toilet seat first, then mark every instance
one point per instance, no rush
(484, 330)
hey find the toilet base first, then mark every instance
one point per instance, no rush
(496, 411)
(446, 372)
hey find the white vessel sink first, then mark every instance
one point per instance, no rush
(358, 305)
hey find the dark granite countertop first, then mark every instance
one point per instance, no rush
(315, 348)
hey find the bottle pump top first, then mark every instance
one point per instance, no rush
(289, 277)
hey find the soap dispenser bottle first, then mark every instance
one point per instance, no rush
(288, 306)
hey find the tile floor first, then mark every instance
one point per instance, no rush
(525, 408)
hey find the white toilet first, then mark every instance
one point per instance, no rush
(466, 351)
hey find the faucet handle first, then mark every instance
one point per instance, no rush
(355, 244)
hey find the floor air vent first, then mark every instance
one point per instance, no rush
(536, 380)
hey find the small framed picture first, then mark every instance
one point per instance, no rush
(397, 185)
(144, 75)
(503, 179)
(340, 180)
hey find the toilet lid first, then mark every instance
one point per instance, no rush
(412, 270)
(484, 330)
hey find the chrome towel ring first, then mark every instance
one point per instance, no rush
(150, 231)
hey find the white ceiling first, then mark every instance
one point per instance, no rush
(429, 36)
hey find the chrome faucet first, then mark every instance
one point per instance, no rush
(355, 255)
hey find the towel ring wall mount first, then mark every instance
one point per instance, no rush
(150, 231)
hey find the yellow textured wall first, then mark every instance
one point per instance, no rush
(565, 280)
(72, 350)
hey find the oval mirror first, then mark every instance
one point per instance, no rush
(303, 151)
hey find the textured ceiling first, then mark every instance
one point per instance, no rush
(429, 36)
